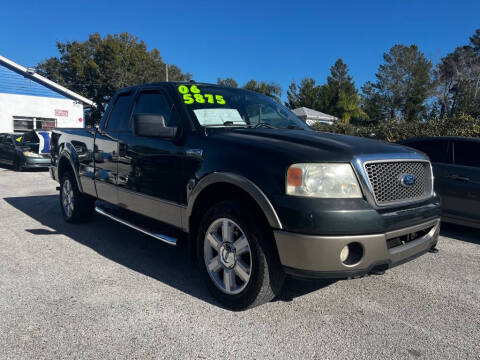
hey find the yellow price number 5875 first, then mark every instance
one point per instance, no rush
(192, 95)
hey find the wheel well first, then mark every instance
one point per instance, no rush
(214, 194)
(63, 166)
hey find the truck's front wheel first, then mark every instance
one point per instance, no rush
(76, 207)
(237, 259)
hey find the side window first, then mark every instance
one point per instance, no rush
(439, 151)
(3, 138)
(157, 103)
(118, 119)
(467, 153)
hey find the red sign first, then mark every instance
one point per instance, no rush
(59, 112)
(80, 120)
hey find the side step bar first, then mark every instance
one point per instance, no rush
(166, 239)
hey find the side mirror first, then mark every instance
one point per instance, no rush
(153, 125)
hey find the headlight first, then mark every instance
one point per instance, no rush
(30, 154)
(322, 181)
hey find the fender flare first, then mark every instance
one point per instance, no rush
(242, 182)
(73, 161)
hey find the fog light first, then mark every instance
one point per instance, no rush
(344, 254)
(352, 254)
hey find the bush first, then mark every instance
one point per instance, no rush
(392, 130)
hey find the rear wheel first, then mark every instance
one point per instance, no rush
(237, 256)
(76, 207)
(17, 165)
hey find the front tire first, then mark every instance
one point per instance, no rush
(76, 207)
(237, 256)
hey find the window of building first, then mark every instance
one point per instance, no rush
(24, 124)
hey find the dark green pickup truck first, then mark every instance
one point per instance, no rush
(250, 189)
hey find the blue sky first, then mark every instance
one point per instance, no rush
(273, 41)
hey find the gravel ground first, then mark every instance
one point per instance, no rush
(101, 290)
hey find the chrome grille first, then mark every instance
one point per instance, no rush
(385, 178)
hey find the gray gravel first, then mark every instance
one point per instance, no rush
(101, 290)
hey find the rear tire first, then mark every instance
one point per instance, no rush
(237, 255)
(17, 166)
(76, 207)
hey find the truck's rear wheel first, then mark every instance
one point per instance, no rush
(76, 207)
(237, 258)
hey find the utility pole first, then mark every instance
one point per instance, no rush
(166, 72)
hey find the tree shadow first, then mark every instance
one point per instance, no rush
(461, 233)
(134, 250)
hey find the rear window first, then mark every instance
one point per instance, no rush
(467, 153)
(437, 150)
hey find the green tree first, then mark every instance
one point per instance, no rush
(98, 67)
(229, 82)
(308, 94)
(475, 41)
(458, 80)
(349, 106)
(271, 89)
(403, 84)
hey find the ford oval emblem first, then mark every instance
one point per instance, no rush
(408, 180)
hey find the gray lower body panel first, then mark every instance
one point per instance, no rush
(319, 256)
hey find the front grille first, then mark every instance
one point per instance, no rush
(385, 178)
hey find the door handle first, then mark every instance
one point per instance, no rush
(458, 177)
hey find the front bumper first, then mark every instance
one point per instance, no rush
(30, 162)
(313, 256)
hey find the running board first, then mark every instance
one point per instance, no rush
(166, 239)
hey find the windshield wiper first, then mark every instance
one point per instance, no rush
(263, 124)
(226, 123)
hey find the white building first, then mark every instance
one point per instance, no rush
(30, 101)
(311, 116)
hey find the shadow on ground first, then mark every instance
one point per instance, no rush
(461, 233)
(10, 167)
(135, 250)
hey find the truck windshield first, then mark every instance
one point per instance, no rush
(215, 106)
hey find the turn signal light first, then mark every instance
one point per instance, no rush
(294, 176)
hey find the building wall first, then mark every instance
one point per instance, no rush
(67, 112)
(12, 82)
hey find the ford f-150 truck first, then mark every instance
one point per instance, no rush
(250, 189)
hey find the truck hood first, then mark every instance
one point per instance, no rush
(311, 145)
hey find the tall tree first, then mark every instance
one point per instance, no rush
(98, 67)
(340, 80)
(271, 89)
(403, 84)
(229, 82)
(308, 94)
(458, 80)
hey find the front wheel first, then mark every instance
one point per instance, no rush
(76, 207)
(237, 256)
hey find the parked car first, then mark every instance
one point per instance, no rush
(247, 187)
(456, 167)
(26, 151)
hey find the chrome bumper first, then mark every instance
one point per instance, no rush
(319, 256)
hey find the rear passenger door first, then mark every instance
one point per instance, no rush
(106, 150)
(465, 178)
